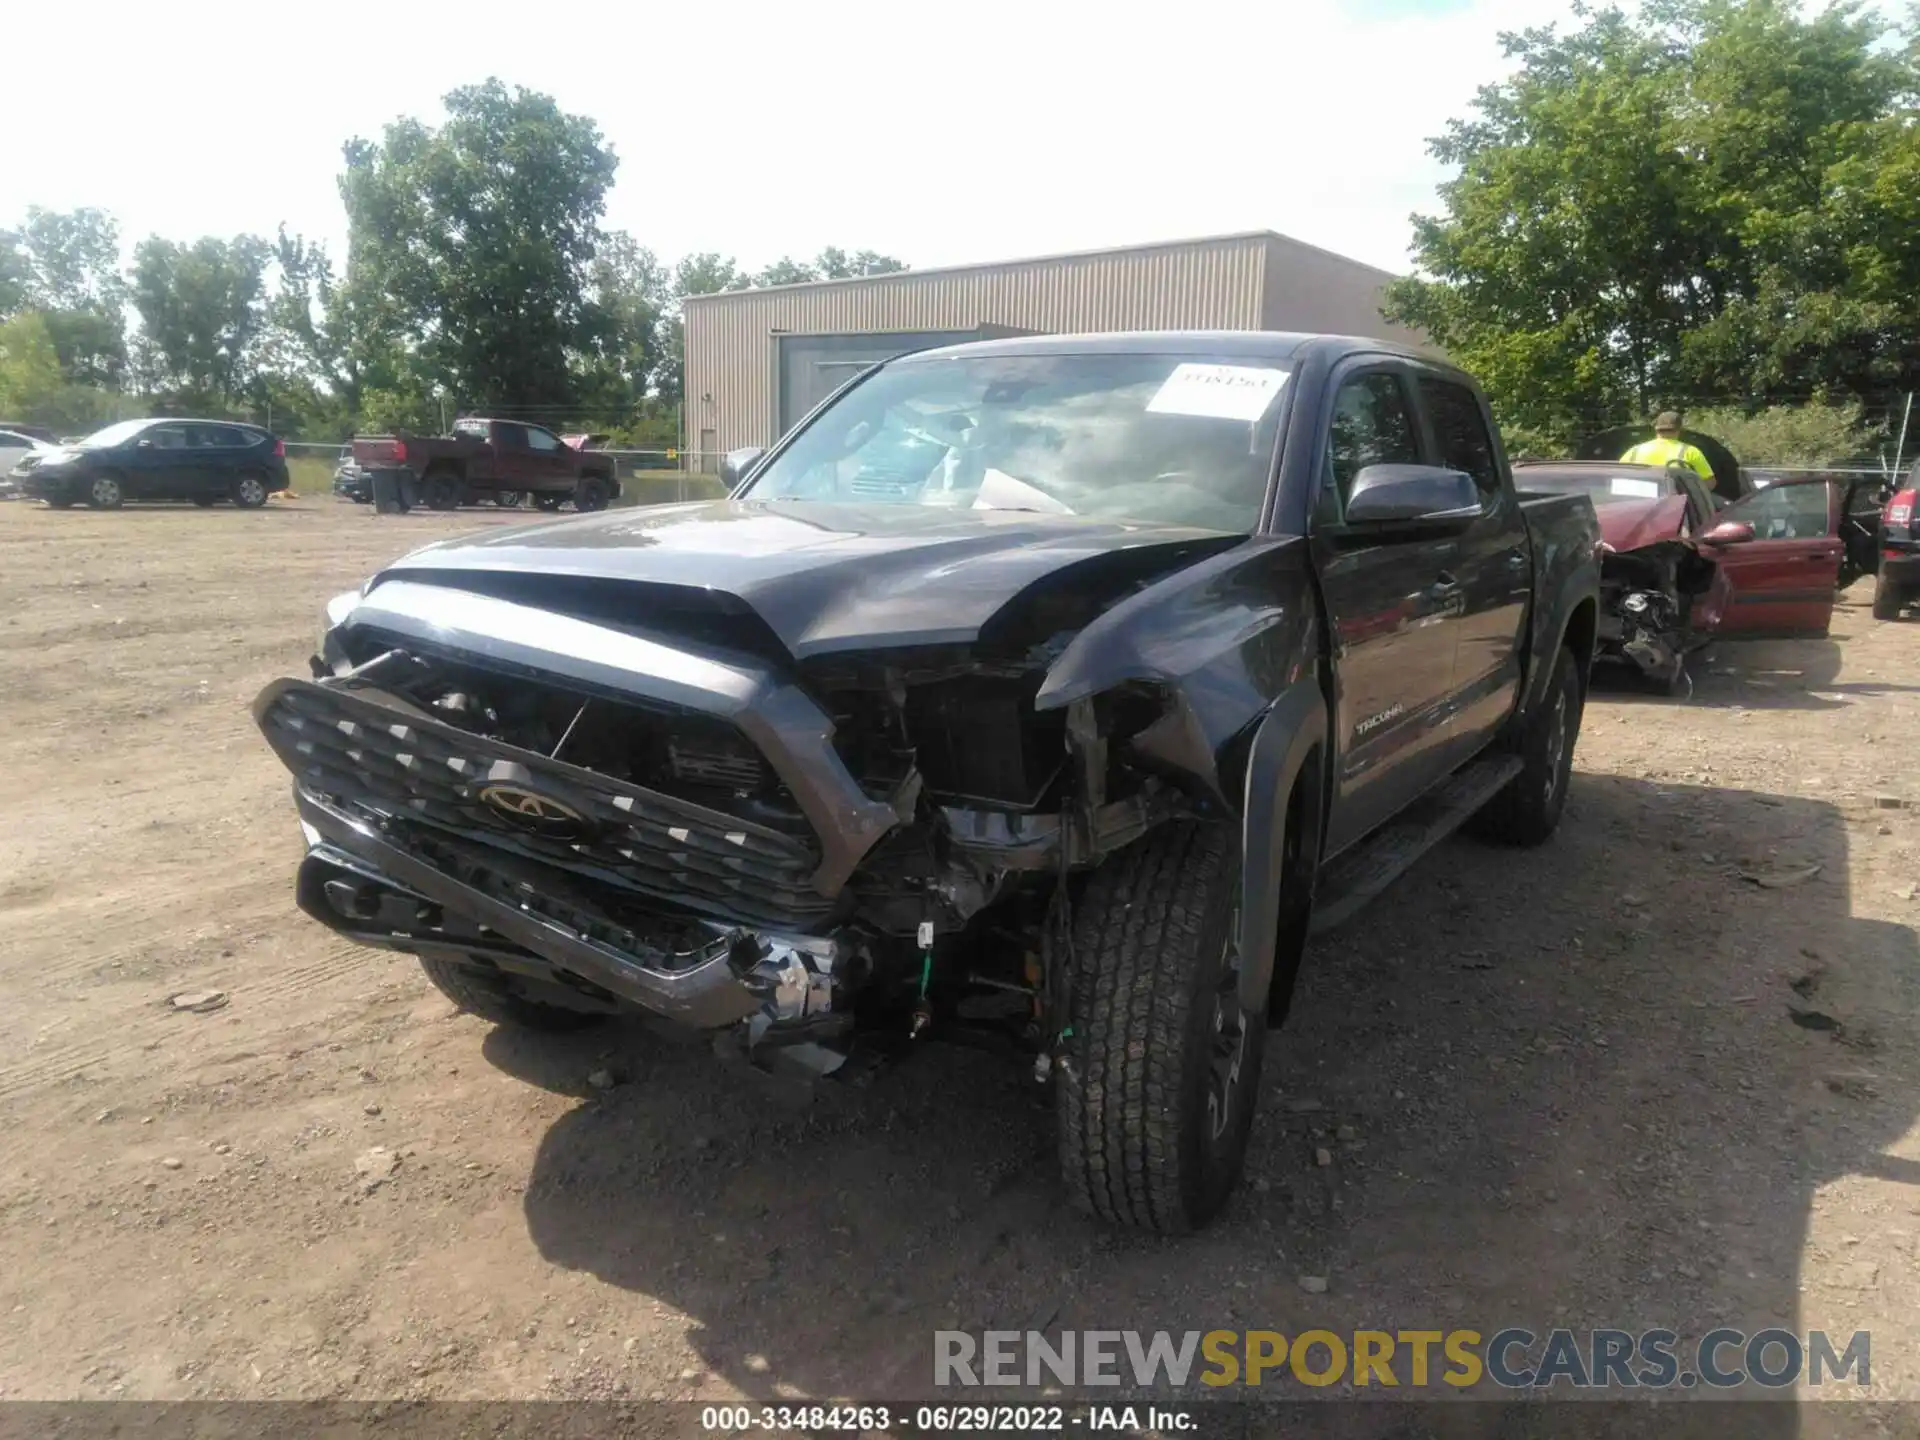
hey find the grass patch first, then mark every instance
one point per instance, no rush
(310, 475)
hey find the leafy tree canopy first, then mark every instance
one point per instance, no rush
(1705, 201)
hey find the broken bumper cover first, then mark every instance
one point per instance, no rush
(693, 914)
(728, 975)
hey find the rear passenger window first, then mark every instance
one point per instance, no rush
(219, 437)
(1460, 431)
(513, 437)
(1372, 425)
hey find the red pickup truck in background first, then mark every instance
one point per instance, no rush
(501, 460)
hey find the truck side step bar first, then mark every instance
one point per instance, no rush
(1345, 886)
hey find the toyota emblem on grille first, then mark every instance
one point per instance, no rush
(532, 810)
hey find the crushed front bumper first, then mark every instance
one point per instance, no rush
(710, 976)
(696, 915)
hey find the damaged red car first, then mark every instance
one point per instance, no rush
(1682, 566)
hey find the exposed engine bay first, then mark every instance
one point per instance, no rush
(1652, 604)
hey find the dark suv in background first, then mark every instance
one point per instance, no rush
(199, 460)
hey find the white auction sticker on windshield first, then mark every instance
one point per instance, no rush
(1629, 487)
(1219, 392)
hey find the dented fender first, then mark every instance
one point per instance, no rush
(1233, 644)
(1218, 639)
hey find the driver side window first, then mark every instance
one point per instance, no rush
(1785, 512)
(1372, 425)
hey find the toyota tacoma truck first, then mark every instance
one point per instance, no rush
(1045, 692)
(500, 460)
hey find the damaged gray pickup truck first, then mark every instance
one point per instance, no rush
(1047, 690)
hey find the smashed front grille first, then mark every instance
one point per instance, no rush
(410, 774)
(587, 910)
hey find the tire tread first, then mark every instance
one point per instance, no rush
(1138, 931)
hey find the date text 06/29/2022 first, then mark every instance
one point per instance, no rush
(946, 1419)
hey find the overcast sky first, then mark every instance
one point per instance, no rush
(942, 133)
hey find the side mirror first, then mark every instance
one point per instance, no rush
(736, 463)
(1727, 532)
(1397, 494)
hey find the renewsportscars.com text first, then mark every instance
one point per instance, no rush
(1511, 1358)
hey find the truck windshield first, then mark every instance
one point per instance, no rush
(1186, 440)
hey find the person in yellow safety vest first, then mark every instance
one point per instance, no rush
(1667, 448)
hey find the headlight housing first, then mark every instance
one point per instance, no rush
(328, 654)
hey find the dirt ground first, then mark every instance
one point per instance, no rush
(1564, 1086)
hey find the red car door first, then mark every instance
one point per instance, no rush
(1783, 580)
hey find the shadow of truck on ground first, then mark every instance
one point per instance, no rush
(1560, 1087)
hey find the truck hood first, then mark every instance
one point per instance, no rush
(822, 577)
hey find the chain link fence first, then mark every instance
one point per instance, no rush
(647, 477)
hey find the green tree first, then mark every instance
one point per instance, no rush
(470, 244)
(309, 322)
(1684, 202)
(831, 263)
(30, 377)
(202, 316)
(623, 328)
(1809, 436)
(66, 265)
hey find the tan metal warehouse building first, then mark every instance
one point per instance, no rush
(758, 360)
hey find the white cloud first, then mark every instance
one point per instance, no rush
(940, 133)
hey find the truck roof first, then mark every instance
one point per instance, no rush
(1248, 344)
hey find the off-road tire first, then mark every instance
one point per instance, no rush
(250, 490)
(440, 489)
(1527, 809)
(549, 503)
(590, 494)
(491, 996)
(507, 499)
(1888, 599)
(1154, 948)
(106, 491)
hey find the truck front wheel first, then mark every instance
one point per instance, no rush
(1888, 598)
(1527, 810)
(591, 494)
(483, 991)
(1161, 1064)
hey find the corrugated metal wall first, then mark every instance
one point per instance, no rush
(1216, 284)
(1320, 293)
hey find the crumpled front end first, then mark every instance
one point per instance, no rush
(1656, 607)
(637, 793)
(552, 797)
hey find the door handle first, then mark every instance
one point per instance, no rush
(1516, 559)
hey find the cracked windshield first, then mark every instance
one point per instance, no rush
(1170, 439)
